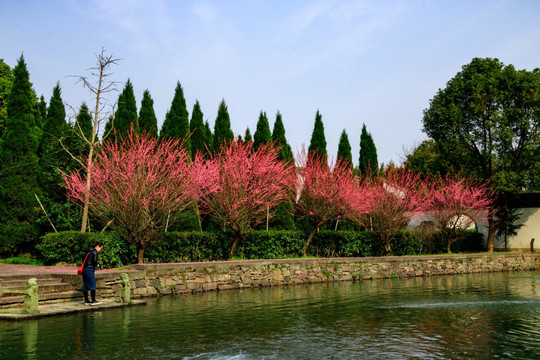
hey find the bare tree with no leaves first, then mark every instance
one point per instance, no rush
(101, 113)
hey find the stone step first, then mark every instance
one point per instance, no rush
(25, 277)
(42, 289)
(17, 283)
(18, 300)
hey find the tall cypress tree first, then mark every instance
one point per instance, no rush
(262, 134)
(283, 218)
(199, 137)
(84, 121)
(147, 116)
(247, 135)
(368, 153)
(317, 145)
(344, 149)
(6, 81)
(278, 136)
(126, 113)
(107, 132)
(18, 168)
(209, 136)
(223, 134)
(83, 124)
(41, 113)
(176, 124)
(53, 157)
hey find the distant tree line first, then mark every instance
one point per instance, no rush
(39, 143)
(141, 180)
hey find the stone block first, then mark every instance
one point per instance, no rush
(140, 291)
(151, 291)
(224, 278)
(155, 283)
(210, 286)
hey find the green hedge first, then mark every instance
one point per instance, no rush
(70, 246)
(187, 247)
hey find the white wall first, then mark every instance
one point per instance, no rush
(530, 218)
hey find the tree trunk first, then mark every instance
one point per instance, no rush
(236, 239)
(199, 220)
(449, 243)
(387, 249)
(311, 235)
(492, 226)
(140, 252)
(387, 246)
(87, 194)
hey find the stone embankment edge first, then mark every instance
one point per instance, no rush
(63, 309)
(151, 280)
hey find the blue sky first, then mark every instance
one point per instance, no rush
(372, 62)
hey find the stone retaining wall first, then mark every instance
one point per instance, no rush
(184, 278)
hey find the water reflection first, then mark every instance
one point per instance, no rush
(471, 316)
(30, 335)
(85, 335)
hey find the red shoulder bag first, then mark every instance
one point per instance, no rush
(79, 272)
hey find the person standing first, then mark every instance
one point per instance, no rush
(89, 276)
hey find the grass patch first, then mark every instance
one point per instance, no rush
(21, 261)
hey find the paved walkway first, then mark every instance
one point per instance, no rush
(11, 270)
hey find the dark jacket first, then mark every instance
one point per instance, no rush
(92, 260)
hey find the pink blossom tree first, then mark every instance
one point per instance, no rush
(396, 196)
(247, 185)
(140, 184)
(326, 192)
(455, 203)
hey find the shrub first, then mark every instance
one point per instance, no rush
(271, 245)
(170, 247)
(70, 247)
(469, 241)
(409, 243)
(188, 246)
(21, 261)
(346, 244)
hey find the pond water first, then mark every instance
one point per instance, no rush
(478, 316)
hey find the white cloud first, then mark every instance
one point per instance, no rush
(144, 26)
(204, 11)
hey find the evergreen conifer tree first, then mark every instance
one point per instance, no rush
(262, 134)
(344, 149)
(199, 136)
(247, 136)
(209, 136)
(84, 121)
(126, 113)
(176, 124)
(317, 145)
(278, 136)
(147, 116)
(108, 131)
(222, 128)
(53, 157)
(368, 153)
(18, 168)
(41, 113)
(83, 124)
(6, 81)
